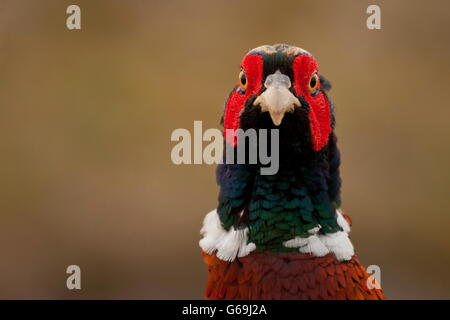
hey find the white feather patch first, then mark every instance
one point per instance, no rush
(321, 244)
(338, 243)
(226, 244)
(342, 222)
(312, 245)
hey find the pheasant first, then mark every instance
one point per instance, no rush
(282, 235)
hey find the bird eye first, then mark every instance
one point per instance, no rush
(242, 81)
(313, 85)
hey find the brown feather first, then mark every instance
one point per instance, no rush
(266, 275)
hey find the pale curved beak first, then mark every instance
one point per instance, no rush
(277, 99)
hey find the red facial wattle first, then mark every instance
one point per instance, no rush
(319, 114)
(304, 67)
(252, 65)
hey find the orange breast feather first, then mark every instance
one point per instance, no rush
(267, 275)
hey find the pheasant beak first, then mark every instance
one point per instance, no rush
(277, 99)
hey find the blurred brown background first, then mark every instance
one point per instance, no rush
(86, 118)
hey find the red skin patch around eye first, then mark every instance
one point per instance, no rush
(253, 68)
(319, 113)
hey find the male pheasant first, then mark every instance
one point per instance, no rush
(281, 235)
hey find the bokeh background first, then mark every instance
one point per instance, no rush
(86, 118)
